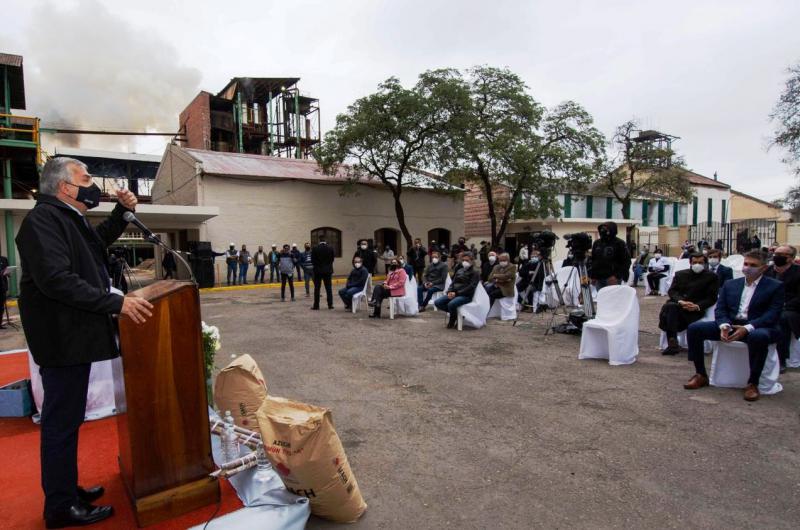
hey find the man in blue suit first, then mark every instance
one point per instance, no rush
(723, 272)
(748, 310)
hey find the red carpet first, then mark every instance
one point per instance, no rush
(21, 497)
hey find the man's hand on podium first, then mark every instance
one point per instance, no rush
(137, 309)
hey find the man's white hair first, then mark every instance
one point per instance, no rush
(57, 170)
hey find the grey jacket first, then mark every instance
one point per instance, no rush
(286, 263)
(436, 273)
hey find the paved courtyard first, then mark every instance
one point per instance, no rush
(504, 428)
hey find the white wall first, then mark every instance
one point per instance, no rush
(717, 195)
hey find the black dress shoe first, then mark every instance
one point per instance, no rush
(79, 514)
(91, 494)
(314, 308)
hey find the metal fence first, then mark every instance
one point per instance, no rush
(735, 237)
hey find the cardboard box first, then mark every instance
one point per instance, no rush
(16, 400)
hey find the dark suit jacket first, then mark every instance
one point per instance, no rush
(724, 274)
(765, 305)
(791, 285)
(322, 259)
(698, 288)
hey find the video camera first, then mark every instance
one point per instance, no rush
(580, 243)
(544, 242)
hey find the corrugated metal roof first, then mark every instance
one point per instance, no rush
(16, 79)
(94, 153)
(11, 60)
(700, 180)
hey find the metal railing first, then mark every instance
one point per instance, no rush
(22, 129)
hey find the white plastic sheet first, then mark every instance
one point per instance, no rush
(474, 313)
(100, 402)
(614, 333)
(438, 294)
(408, 305)
(505, 308)
(569, 280)
(730, 367)
(735, 262)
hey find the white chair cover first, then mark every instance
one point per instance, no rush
(505, 308)
(100, 402)
(682, 340)
(735, 262)
(794, 353)
(358, 297)
(436, 296)
(474, 313)
(614, 333)
(569, 280)
(408, 305)
(730, 367)
(665, 282)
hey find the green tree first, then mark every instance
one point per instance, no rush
(638, 168)
(787, 116)
(387, 136)
(520, 154)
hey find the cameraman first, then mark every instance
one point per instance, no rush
(611, 260)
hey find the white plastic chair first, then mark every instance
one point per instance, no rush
(358, 297)
(436, 296)
(730, 367)
(407, 305)
(794, 353)
(614, 333)
(666, 281)
(505, 308)
(682, 340)
(474, 313)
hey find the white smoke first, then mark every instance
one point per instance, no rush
(86, 67)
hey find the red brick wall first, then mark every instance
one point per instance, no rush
(196, 118)
(476, 211)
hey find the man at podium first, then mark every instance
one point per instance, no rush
(67, 309)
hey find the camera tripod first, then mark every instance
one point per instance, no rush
(546, 265)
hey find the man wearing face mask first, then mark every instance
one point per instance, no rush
(465, 281)
(641, 265)
(356, 281)
(416, 258)
(461, 246)
(433, 281)
(232, 260)
(530, 281)
(784, 270)
(692, 292)
(500, 283)
(406, 266)
(488, 265)
(748, 310)
(67, 309)
(723, 272)
(308, 266)
(367, 255)
(656, 269)
(322, 257)
(611, 260)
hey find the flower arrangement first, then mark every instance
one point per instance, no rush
(211, 345)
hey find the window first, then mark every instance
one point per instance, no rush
(331, 235)
(645, 213)
(589, 206)
(567, 205)
(660, 213)
(724, 212)
(675, 213)
(710, 215)
(609, 208)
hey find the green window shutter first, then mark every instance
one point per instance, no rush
(694, 211)
(627, 210)
(724, 211)
(567, 205)
(675, 211)
(660, 213)
(645, 213)
(609, 208)
(590, 206)
(710, 216)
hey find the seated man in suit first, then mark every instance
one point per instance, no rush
(692, 292)
(657, 268)
(723, 272)
(785, 271)
(748, 310)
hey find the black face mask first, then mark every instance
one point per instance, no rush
(392, 267)
(88, 195)
(780, 261)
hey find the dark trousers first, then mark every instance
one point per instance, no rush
(284, 279)
(494, 293)
(274, 273)
(347, 293)
(259, 277)
(654, 279)
(379, 294)
(419, 273)
(672, 319)
(63, 410)
(299, 272)
(443, 303)
(243, 273)
(790, 324)
(307, 278)
(757, 345)
(318, 280)
(428, 294)
(232, 271)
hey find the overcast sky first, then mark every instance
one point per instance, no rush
(707, 71)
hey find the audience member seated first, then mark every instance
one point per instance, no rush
(434, 280)
(527, 280)
(500, 282)
(785, 271)
(748, 310)
(692, 292)
(465, 280)
(405, 266)
(395, 285)
(723, 272)
(355, 283)
(488, 265)
(657, 269)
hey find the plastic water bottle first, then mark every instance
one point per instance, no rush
(230, 442)
(263, 466)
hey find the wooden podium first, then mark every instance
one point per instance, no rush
(164, 440)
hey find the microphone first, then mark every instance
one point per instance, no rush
(150, 236)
